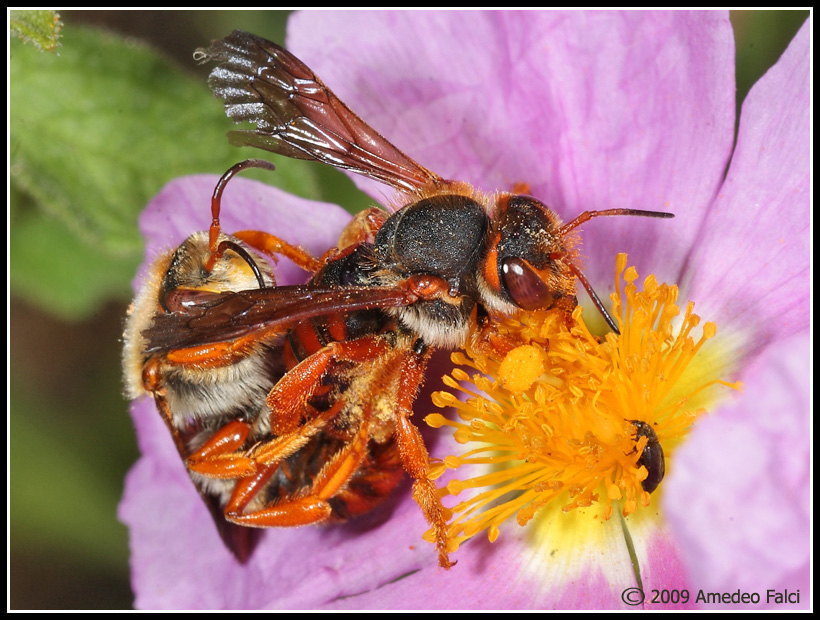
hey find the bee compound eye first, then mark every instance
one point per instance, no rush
(524, 285)
(183, 300)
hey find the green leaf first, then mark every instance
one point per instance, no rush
(42, 28)
(95, 133)
(55, 270)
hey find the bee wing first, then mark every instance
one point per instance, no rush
(260, 313)
(298, 116)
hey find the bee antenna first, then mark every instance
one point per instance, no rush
(599, 305)
(585, 217)
(232, 245)
(216, 202)
(588, 215)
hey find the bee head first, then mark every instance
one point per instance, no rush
(526, 266)
(529, 263)
(194, 270)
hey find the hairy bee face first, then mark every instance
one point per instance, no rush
(178, 275)
(522, 268)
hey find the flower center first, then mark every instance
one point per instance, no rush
(560, 415)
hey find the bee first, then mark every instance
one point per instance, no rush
(217, 345)
(292, 405)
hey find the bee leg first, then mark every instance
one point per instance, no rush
(488, 338)
(272, 245)
(218, 456)
(414, 454)
(307, 509)
(376, 478)
(281, 448)
(287, 513)
(363, 227)
(288, 399)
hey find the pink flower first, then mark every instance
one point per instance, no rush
(593, 110)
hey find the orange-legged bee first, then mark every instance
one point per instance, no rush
(319, 426)
(219, 347)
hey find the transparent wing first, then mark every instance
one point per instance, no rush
(298, 116)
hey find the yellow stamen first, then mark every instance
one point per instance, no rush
(557, 419)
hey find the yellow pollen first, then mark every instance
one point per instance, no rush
(521, 367)
(559, 417)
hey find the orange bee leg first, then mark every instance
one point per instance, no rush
(298, 511)
(305, 510)
(271, 245)
(363, 227)
(288, 398)
(239, 540)
(488, 339)
(218, 456)
(281, 448)
(414, 454)
(371, 483)
(216, 355)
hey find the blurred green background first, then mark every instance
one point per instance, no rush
(96, 130)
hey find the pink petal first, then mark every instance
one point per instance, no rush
(516, 572)
(751, 266)
(592, 109)
(738, 497)
(746, 527)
